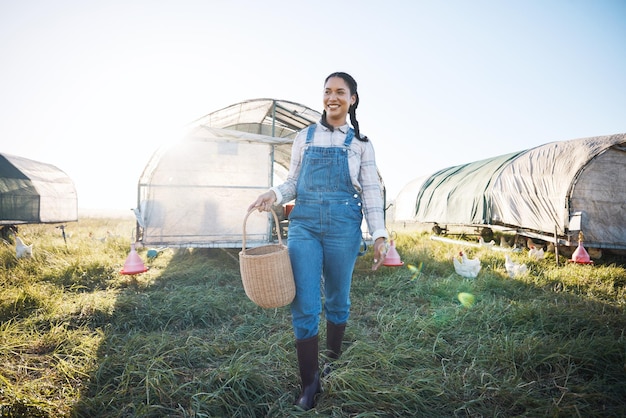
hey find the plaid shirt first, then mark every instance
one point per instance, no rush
(363, 172)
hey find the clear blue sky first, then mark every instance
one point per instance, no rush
(95, 87)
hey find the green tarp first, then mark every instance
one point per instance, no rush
(560, 187)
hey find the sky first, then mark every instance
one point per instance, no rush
(94, 88)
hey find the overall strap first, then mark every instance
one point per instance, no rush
(349, 137)
(309, 133)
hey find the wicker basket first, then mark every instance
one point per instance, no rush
(266, 271)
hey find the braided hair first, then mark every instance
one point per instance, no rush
(351, 82)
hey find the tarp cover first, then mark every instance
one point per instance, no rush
(540, 189)
(35, 192)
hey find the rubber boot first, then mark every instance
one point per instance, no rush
(308, 364)
(334, 339)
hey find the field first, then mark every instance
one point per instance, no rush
(78, 339)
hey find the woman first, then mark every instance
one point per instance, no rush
(334, 179)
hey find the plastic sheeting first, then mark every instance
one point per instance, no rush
(35, 192)
(195, 193)
(540, 190)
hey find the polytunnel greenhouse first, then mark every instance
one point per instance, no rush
(34, 192)
(195, 192)
(552, 192)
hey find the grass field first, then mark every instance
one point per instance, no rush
(78, 339)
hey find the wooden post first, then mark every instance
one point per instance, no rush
(556, 246)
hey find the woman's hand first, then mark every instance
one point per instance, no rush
(380, 252)
(264, 202)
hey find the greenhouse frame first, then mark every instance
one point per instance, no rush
(195, 192)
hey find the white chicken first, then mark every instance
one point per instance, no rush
(467, 268)
(514, 269)
(536, 254)
(22, 250)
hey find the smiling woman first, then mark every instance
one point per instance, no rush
(334, 180)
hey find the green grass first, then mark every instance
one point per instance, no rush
(78, 339)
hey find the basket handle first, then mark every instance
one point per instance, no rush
(280, 240)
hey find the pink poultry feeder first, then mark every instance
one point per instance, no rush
(580, 255)
(392, 259)
(134, 264)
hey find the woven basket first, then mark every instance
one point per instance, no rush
(266, 271)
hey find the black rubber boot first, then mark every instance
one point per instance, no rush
(308, 364)
(334, 339)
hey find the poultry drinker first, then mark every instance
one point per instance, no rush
(134, 264)
(392, 259)
(580, 255)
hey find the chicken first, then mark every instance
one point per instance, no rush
(8, 231)
(438, 230)
(482, 242)
(530, 244)
(536, 254)
(514, 269)
(467, 268)
(22, 250)
(503, 242)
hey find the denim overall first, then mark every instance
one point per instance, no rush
(324, 236)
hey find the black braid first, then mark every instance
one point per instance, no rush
(325, 122)
(352, 110)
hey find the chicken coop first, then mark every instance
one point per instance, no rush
(551, 192)
(195, 192)
(34, 192)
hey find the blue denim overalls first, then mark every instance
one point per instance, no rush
(324, 236)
